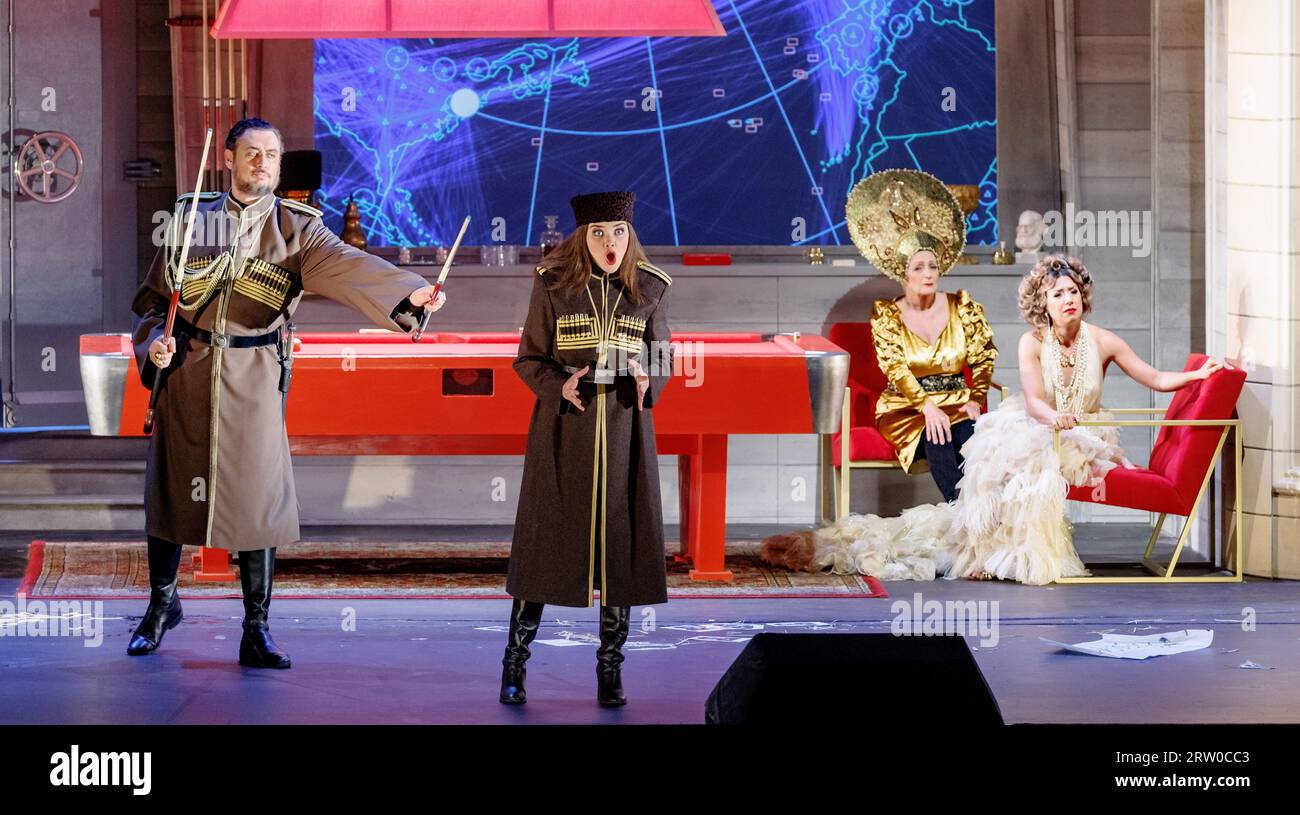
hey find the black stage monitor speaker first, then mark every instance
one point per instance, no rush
(871, 679)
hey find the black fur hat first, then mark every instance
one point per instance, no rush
(602, 207)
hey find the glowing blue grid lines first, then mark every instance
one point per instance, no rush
(663, 141)
(512, 128)
(821, 199)
(541, 145)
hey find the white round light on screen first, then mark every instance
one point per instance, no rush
(464, 103)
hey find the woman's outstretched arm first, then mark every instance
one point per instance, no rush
(1113, 346)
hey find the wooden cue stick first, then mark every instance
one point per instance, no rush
(216, 102)
(230, 89)
(176, 284)
(207, 110)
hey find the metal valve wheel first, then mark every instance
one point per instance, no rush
(38, 171)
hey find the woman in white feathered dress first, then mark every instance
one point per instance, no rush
(1009, 519)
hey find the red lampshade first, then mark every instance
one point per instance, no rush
(443, 19)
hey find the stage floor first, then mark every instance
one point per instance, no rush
(438, 661)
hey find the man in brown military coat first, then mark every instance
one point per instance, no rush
(595, 351)
(219, 471)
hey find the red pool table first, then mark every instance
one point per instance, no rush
(377, 393)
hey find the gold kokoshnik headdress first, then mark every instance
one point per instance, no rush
(893, 214)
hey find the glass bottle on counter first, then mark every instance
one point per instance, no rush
(552, 237)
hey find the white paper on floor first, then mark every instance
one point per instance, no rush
(806, 624)
(697, 627)
(630, 645)
(708, 638)
(1123, 646)
(566, 642)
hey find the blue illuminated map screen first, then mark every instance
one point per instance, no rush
(752, 138)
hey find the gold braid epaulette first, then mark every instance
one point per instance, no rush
(655, 270)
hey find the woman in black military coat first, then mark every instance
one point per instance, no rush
(595, 351)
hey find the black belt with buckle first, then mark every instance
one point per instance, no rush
(938, 383)
(942, 383)
(226, 340)
(594, 377)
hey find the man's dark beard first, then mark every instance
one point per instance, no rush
(256, 189)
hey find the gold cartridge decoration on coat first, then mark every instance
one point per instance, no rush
(628, 331)
(264, 282)
(576, 331)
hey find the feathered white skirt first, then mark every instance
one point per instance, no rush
(1008, 521)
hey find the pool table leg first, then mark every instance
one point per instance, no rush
(708, 510)
(687, 479)
(212, 565)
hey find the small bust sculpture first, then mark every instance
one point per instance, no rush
(1029, 236)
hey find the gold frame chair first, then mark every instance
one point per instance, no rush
(1164, 573)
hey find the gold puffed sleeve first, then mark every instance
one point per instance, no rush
(887, 333)
(981, 353)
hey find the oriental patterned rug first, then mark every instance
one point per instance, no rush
(389, 569)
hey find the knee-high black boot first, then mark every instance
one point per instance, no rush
(609, 656)
(525, 618)
(164, 611)
(256, 648)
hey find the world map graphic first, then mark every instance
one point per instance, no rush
(754, 138)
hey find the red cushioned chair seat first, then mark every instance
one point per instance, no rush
(1182, 455)
(865, 444)
(1133, 489)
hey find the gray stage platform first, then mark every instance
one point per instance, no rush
(437, 661)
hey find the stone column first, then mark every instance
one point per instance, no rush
(1253, 245)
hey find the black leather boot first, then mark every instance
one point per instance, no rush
(525, 618)
(164, 611)
(609, 656)
(256, 648)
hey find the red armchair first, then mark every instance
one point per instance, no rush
(859, 442)
(1192, 435)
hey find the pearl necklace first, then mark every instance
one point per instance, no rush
(1069, 398)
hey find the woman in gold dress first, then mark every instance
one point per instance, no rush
(912, 229)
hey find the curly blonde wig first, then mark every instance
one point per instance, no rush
(1034, 286)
